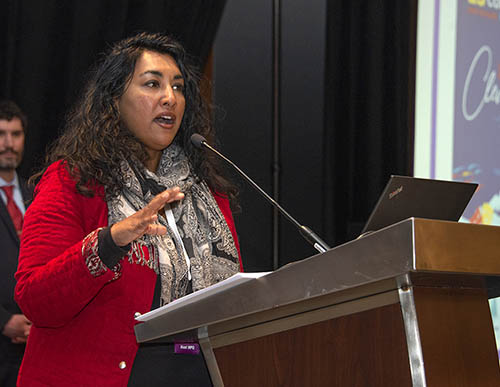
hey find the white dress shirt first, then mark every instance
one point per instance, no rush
(18, 197)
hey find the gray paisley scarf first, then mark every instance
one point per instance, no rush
(201, 226)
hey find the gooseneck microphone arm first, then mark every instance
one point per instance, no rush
(199, 141)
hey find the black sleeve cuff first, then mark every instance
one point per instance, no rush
(109, 253)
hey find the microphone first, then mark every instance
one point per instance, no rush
(199, 142)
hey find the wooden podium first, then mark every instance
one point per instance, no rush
(403, 306)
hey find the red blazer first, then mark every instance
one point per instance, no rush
(83, 322)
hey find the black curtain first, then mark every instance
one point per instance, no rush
(332, 170)
(47, 48)
(368, 115)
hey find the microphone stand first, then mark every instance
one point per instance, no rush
(309, 235)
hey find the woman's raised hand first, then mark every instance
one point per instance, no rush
(144, 221)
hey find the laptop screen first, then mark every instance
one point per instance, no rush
(405, 197)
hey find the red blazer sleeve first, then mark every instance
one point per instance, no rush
(223, 204)
(54, 282)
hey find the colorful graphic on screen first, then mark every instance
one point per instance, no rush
(476, 148)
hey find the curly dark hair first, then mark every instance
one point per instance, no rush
(94, 141)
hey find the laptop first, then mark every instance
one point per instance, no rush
(405, 197)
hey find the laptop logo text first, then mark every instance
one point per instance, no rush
(395, 192)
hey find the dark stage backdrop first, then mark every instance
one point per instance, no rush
(369, 101)
(346, 87)
(347, 84)
(47, 48)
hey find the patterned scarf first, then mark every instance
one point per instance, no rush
(201, 225)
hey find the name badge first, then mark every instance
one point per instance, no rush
(187, 348)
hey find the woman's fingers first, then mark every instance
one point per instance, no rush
(145, 220)
(159, 201)
(156, 229)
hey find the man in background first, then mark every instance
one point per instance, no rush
(14, 195)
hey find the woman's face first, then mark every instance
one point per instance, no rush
(153, 104)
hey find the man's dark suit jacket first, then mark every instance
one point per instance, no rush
(9, 252)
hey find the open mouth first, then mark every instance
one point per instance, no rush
(167, 119)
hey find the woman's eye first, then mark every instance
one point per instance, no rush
(178, 87)
(152, 83)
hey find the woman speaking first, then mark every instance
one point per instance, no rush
(127, 216)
